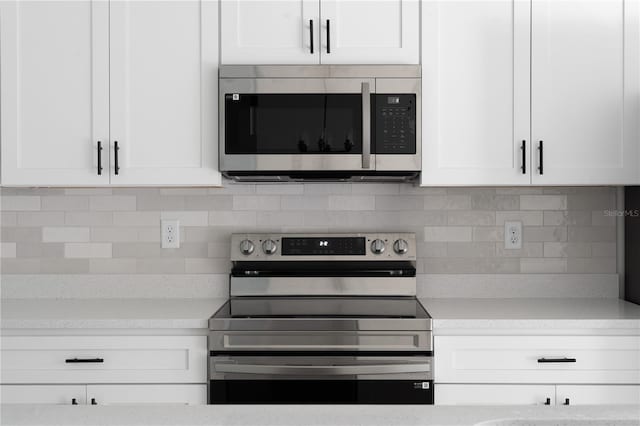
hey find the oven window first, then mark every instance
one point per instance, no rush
(293, 124)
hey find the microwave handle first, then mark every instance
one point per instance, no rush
(366, 125)
(333, 370)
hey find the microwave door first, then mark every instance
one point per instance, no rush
(296, 124)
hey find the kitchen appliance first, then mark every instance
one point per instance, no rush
(632, 244)
(320, 122)
(322, 319)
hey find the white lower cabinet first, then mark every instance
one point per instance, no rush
(43, 394)
(104, 370)
(523, 370)
(147, 394)
(597, 394)
(473, 394)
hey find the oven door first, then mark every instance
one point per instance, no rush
(321, 379)
(296, 124)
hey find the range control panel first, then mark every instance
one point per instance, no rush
(285, 247)
(395, 124)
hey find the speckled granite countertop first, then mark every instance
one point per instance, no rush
(108, 313)
(315, 415)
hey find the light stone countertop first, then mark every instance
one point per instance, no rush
(108, 313)
(533, 313)
(316, 415)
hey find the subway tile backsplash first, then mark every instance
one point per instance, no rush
(107, 231)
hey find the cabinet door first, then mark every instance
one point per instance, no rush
(54, 74)
(598, 394)
(584, 66)
(465, 394)
(164, 61)
(147, 394)
(475, 92)
(370, 32)
(270, 32)
(43, 394)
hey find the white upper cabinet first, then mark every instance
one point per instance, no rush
(78, 76)
(475, 76)
(164, 76)
(370, 32)
(584, 63)
(320, 31)
(54, 59)
(270, 32)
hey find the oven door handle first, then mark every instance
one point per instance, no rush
(366, 125)
(322, 370)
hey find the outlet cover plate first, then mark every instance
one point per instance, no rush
(513, 235)
(170, 233)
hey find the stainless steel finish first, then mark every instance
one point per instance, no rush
(321, 370)
(319, 71)
(295, 368)
(366, 126)
(269, 247)
(246, 247)
(321, 79)
(401, 246)
(311, 340)
(237, 255)
(322, 286)
(377, 246)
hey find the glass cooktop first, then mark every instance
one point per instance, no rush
(322, 307)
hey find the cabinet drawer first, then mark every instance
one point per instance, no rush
(459, 394)
(104, 359)
(44, 394)
(521, 359)
(147, 394)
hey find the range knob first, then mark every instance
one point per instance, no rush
(377, 246)
(269, 247)
(400, 246)
(246, 247)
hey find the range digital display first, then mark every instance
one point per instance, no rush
(326, 246)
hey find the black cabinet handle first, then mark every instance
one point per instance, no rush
(93, 401)
(74, 402)
(524, 157)
(83, 360)
(328, 36)
(541, 149)
(115, 150)
(566, 401)
(99, 158)
(549, 360)
(311, 34)
(548, 401)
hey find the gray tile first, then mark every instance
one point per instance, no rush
(567, 249)
(471, 266)
(352, 202)
(375, 188)
(528, 218)
(543, 202)
(256, 202)
(24, 235)
(280, 189)
(161, 202)
(447, 202)
(495, 202)
(41, 219)
(111, 203)
(40, 250)
(115, 234)
(471, 217)
(160, 266)
(488, 233)
(207, 266)
(279, 219)
(571, 218)
(425, 249)
(218, 250)
(65, 203)
(304, 202)
(544, 233)
(471, 250)
(600, 265)
(20, 266)
(542, 265)
(88, 218)
(136, 219)
(596, 201)
(20, 203)
(527, 250)
(602, 218)
(235, 218)
(87, 250)
(8, 219)
(592, 234)
(328, 188)
(65, 234)
(88, 191)
(399, 202)
(112, 266)
(603, 249)
(136, 250)
(447, 233)
(64, 266)
(187, 218)
(7, 250)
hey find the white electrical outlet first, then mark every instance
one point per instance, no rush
(512, 235)
(170, 233)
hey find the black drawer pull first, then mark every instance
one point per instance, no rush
(83, 360)
(524, 157)
(541, 149)
(548, 401)
(99, 157)
(549, 360)
(566, 401)
(93, 401)
(311, 34)
(116, 148)
(328, 36)
(74, 401)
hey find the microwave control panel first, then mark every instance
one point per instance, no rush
(394, 124)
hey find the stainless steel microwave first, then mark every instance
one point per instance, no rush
(320, 122)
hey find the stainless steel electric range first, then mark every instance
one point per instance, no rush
(322, 319)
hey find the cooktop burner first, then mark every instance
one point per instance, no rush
(323, 307)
